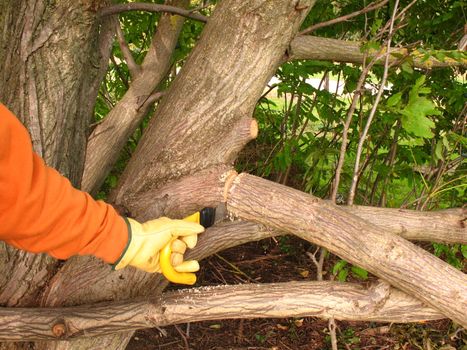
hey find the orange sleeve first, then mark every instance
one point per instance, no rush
(40, 211)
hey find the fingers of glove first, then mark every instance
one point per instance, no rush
(178, 246)
(184, 228)
(176, 259)
(190, 240)
(175, 228)
(187, 266)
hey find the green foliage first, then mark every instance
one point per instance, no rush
(420, 114)
(349, 336)
(284, 244)
(453, 254)
(415, 113)
(341, 270)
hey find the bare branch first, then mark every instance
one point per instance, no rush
(355, 177)
(308, 47)
(348, 120)
(147, 101)
(140, 6)
(370, 7)
(342, 301)
(134, 68)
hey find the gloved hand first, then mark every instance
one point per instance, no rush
(146, 241)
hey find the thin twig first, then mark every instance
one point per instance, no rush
(146, 101)
(182, 334)
(400, 17)
(119, 72)
(133, 67)
(235, 268)
(140, 6)
(319, 263)
(370, 7)
(373, 109)
(332, 332)
(348, 120)
(270, 88)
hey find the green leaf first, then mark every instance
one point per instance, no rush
(445, 141)
(338, 266)
(419, 82)
(439, 150)
(342, 276)
(407, 67)
(464, 250)
(415, 118)
(440, 56)
(424, 90)
(394, 99)
(359, 272)
(458, 138)
(112, 181)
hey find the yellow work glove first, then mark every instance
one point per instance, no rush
(146, 241)
(171, 257)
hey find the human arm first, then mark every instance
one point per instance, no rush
(40, 211)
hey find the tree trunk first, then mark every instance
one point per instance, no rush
(50, 81)
(52, 69)
(52, 75)
(200, 125)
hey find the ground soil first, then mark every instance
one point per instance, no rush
(280, 260)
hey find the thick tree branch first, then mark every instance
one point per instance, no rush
(390, 257)
(448, 226)
(108, 138)
(308, 47)
(328, 299)
(342, 301)
(140, 6)
(194, 132)
(409, 224)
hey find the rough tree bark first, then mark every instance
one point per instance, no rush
(390, 257)
(51, 57)
(54, 71)
(324, 299)
(52, 61)
(109, 137)
(201, 124)
(194, 129)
